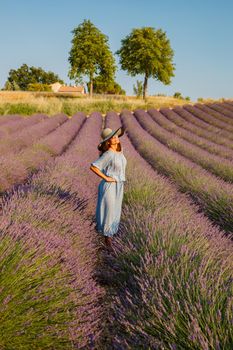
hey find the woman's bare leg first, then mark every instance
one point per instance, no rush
(108, 242)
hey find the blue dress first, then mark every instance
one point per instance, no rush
(110, 194)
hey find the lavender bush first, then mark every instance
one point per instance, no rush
(201, 128)
(215, 164)
(187, 121)
(19, 124)
(220, 109)
(217, 111)
(191, 118)
(30, 134)
(226, 128)
(47, 289)
(16, 168)
(7, 118)
(172, 268)
(227, 106)
(214, 196)
(190, 136)
(58, 304)
(75, 163)
(167, 286)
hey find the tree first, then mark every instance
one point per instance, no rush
(138, 88)
(147, 51)
(8, 86)
(102, 86)
(25, 75)
(177, 95)
(90, 55)
(117, 89)
(39, 87)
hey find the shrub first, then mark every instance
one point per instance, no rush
(39, 87)
(177, 95)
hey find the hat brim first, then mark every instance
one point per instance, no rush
(119, 132)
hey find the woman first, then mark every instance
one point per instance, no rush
(110, 166)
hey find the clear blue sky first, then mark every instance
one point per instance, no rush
(38, 33)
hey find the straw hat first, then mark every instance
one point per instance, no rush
(107, 133)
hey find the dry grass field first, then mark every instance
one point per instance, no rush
(27, 103)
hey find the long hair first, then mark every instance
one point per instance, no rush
(105, 146)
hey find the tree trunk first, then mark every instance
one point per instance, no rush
(91, 88)
(145, 87)
(91, 84)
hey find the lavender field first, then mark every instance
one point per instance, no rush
(169, 282)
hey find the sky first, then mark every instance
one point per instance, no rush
(39, 33)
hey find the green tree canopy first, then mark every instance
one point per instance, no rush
(25, 75)
(90, 55)
(147, 51)
(177, 95)
(103, 86)
(39, 87)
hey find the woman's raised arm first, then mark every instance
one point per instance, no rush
(99, 173)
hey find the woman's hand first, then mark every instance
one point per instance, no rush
(99, 173)
(110, 179)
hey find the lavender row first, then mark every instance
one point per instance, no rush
(220, 108)
(191, 118)
(53, 300)
(17, 167)
(18, 125)
(226, 128)
(217, 111)
(172, 269)
(215, 164)
(10, 117)
(188, 122)
(228, 106)
(189, 136)
(69, 179)
(77, 159)
(214, 196)
(29, 135)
